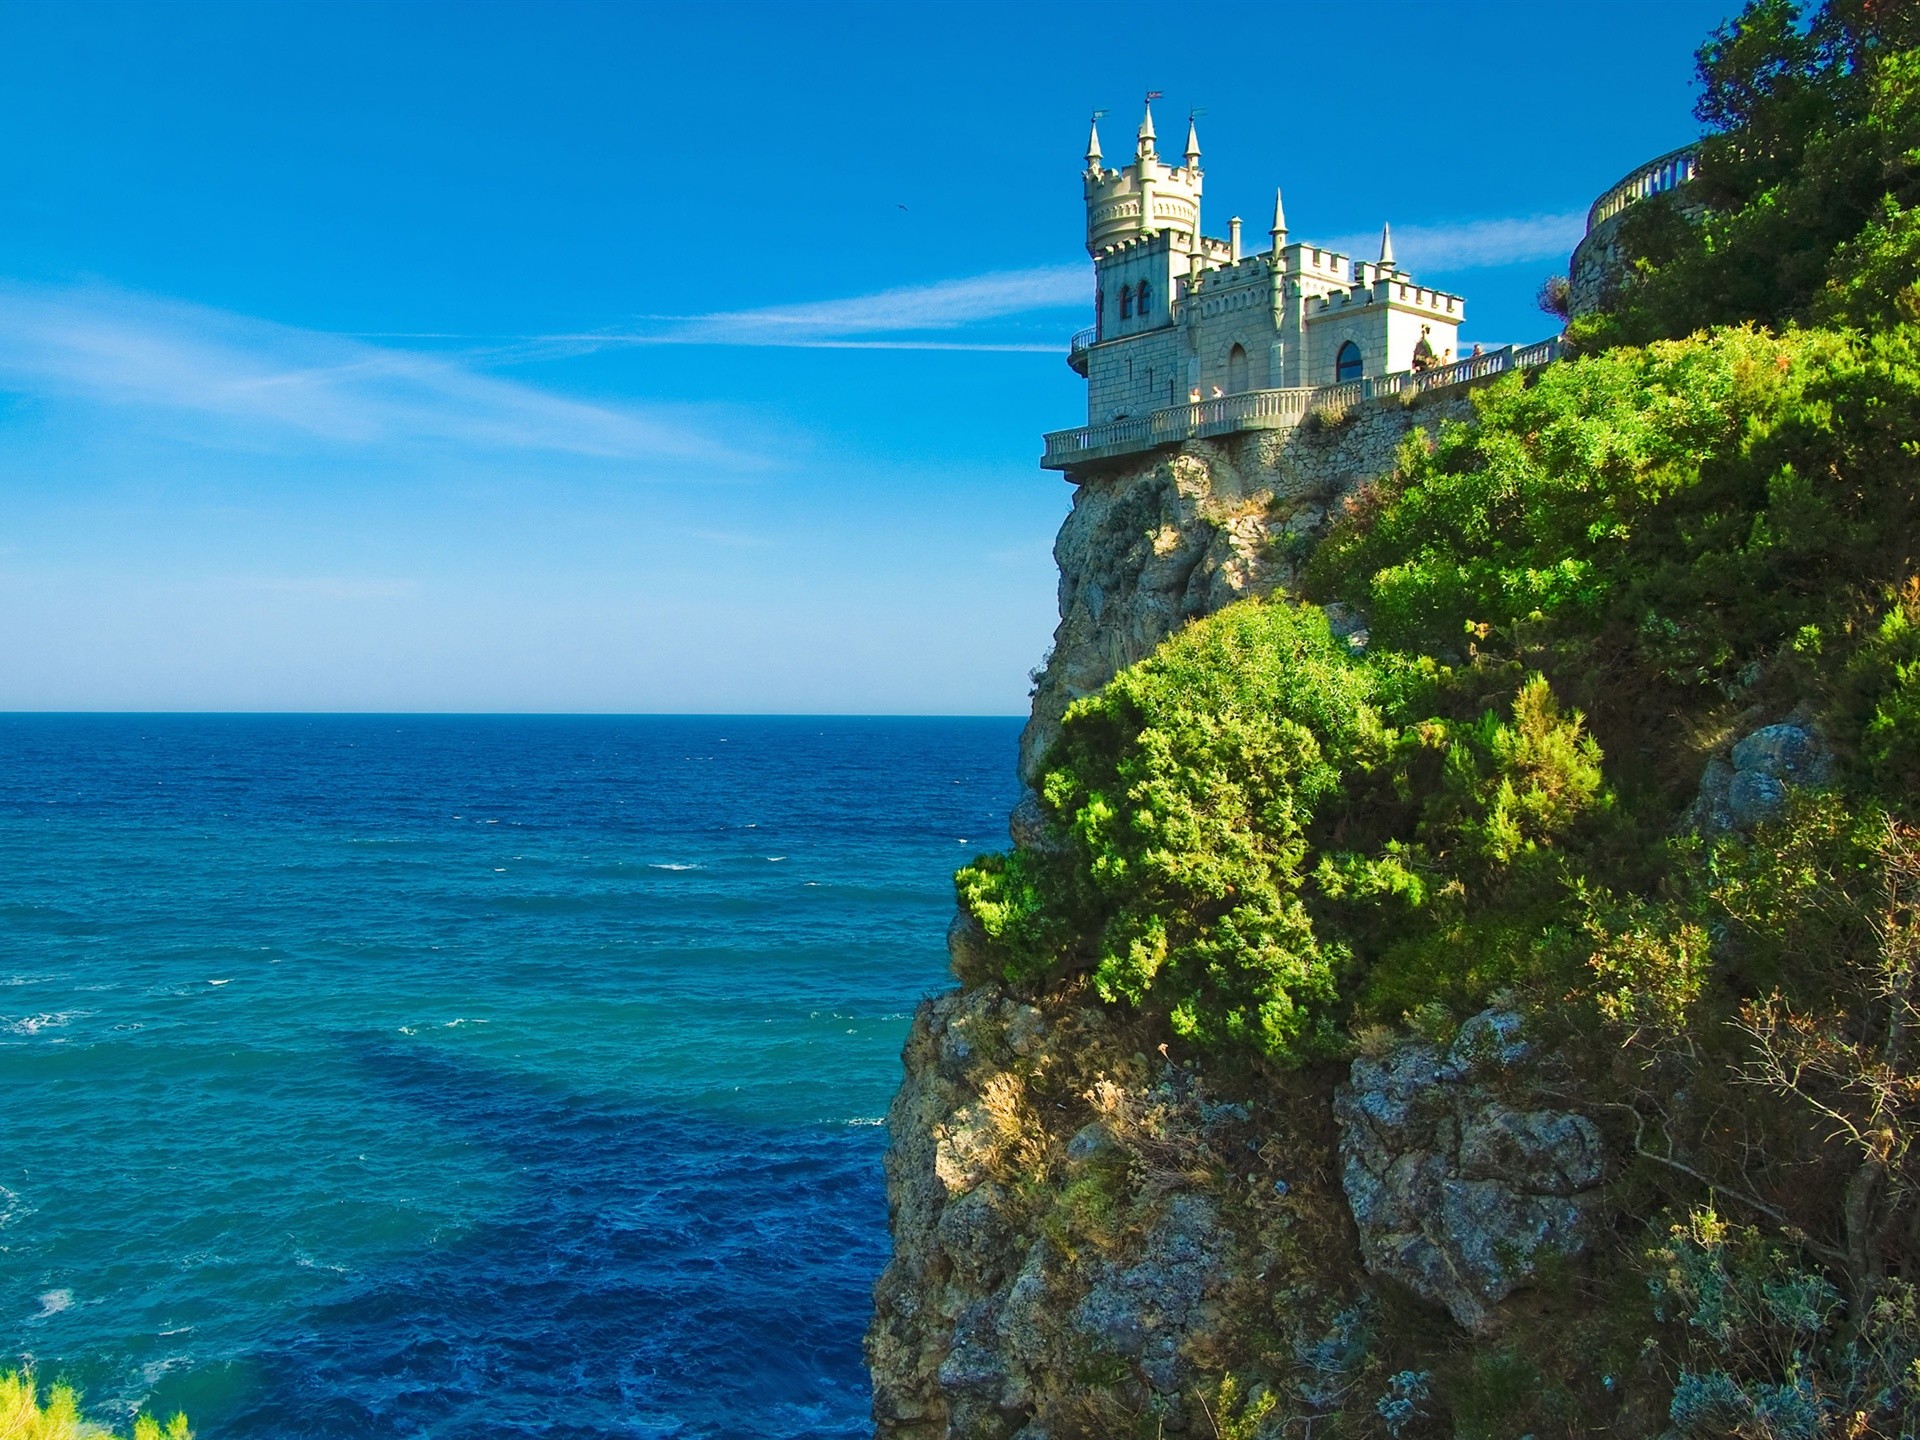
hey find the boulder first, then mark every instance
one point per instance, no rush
(1749, 784)
(1457, 1188)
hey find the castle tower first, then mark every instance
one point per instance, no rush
(1147, 197)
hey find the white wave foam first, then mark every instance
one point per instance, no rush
(53, 1302)
(675, 867)
(51, 1020)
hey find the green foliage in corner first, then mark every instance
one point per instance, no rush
(23, 1416)
(1810, 172)
(1667, 517)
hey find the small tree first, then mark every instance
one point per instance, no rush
(1851, 1064)
(1555, 297)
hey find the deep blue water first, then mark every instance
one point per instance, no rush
(397, 1076)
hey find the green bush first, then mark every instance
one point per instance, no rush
(1254, 786)
(1184, 791)
(1761, 1344)
(23, 1416)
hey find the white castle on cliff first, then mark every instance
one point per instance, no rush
(1182, 317)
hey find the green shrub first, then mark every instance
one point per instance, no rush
(1185, 789)
(1222, 801)
(1884, 680)
(1759, 1333)
(23, 1416)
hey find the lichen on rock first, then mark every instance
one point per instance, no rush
(1459, 1184)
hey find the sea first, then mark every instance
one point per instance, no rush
(465, 1076)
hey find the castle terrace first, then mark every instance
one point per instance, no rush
(1273, 409)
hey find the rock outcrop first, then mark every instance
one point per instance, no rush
(1748, 785)
(1159, 541)
(1460, 1183)
(1082, 1228)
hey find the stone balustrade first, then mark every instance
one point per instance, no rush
(1599, 266)
(1656, 177)
(1273, 409)
(1077, 348)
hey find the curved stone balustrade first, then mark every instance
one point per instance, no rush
(1656, 177)
(1077, 348)
(1273, 409)
(1598, 265)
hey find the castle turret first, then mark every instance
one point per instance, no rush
(1279, 230)
(1145, 198)
(1093, 142)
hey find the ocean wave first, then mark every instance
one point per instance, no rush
(668, 865)
(12, 1207)
(50, 1020)
(53, 1302)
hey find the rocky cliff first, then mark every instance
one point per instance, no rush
(1094, 1237)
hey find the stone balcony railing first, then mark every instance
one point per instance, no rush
(1656, 177)
(1599, 267)
(1272, 409)
(1077, 348)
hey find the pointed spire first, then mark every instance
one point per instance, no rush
(1386, 247)
(1146, 137)
(1193, 145)
(1093, 141)
(1279, 231)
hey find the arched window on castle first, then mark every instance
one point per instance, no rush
(1145, 302)
(1346, 365)
(1099, 311)
(1236, 369)
(1126, 302)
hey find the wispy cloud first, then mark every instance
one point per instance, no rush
(1473, 244)
(945, 315)
(972, 313)
(112, 346)
(945, 305)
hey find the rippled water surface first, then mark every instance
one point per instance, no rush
(377, 1076)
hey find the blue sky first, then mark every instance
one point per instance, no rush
(591, 357)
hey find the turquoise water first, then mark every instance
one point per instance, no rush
(520, 1076)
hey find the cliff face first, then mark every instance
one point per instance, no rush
(1089, 1236)
(1155, 543)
